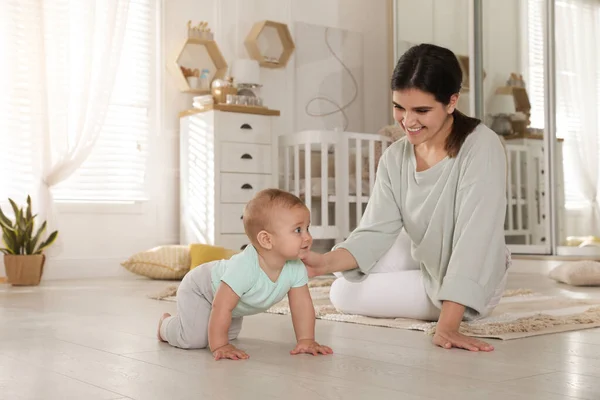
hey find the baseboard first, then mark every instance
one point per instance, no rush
(533, 266)
(555, 257)
(57, 269)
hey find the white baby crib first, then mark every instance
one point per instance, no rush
(526, 221)
(341, 168)
(333, 173)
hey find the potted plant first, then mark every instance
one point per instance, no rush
(23, 256)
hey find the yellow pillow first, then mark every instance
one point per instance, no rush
(203, 253)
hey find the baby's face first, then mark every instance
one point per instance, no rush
(292, 238)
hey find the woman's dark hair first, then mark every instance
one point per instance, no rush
(434, 69)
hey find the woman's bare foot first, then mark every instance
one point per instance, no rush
(165, 315)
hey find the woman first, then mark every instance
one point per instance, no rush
(444, 184)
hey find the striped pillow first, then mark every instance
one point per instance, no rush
(168, 262)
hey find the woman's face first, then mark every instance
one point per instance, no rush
(420, 115)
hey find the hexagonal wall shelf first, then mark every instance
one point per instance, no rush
(270, 43)
(195, 57)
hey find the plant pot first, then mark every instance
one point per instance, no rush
(24, 270)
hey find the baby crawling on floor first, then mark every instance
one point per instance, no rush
(213, 298)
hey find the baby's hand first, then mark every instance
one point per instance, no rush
(309, 346)
(231, 352)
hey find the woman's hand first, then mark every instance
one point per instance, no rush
(448, 339)
(447, 335)
(315, 264)
(334, 261)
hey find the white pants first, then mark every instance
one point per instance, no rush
(393, 289)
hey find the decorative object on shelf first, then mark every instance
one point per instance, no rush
(502, 109)
(191, 75)
(246, 71)
(516, 88)
(515, 80)
(270, 43)
(203, 101)
(247, 76)
(510, 106)
(198, 62)
(220, 88)
(244, 100)
(204, 80)
(464, 66)
(23, 252)
(202, 31)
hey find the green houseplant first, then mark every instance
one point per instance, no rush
(23, 250)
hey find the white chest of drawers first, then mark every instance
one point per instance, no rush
(225, 158)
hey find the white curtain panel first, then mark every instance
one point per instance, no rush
(56, 89)
(578, 100)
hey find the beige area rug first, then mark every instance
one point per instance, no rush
(520, 313)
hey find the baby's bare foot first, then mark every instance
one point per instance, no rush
(165, 315)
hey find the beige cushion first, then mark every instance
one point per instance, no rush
(169, 262)
(577, 273)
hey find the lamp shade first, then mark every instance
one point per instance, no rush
(245, 70)
(502, 104)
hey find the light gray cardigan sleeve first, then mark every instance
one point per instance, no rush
(478, 253)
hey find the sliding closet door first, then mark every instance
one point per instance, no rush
(577, 159)
(444, 23)
(501, 46)
(510, 38)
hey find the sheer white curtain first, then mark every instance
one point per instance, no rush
(578, 102)
(59, 61)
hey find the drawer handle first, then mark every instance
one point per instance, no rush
(243, 247)
(246, 156)
(246, 186)
(246, 126)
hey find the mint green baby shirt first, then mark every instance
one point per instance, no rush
(256, 290)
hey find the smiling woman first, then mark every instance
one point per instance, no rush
(430, 244)
(426, 84)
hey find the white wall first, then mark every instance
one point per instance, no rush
(445, 23)
(96, 238)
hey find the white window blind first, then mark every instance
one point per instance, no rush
(17, 109)
(115, 171)
(535, 67)
(569, 120)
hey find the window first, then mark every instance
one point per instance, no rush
(17, 111)
(574, 26)
(116, 168)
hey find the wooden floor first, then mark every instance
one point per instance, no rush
(96, 340)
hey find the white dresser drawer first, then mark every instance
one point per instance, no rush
(233, 242)
(231, 218)
(243, 128)
(245, 157)
(240, 188)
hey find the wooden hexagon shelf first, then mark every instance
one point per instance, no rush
(270, 43)
(198, 54)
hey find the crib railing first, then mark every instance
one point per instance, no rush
(521, 193)
(329, 171)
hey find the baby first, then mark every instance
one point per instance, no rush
(213, 298)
